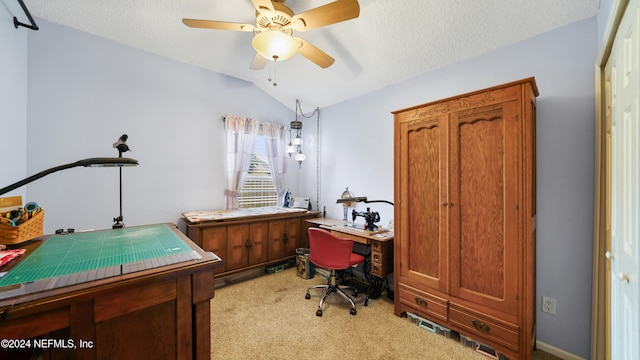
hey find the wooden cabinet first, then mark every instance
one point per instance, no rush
(465, 214)
(248, 242)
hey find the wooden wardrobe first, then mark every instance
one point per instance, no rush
(465, 215)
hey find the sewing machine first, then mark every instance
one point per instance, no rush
(369, 217)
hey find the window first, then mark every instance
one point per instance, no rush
(258, 189)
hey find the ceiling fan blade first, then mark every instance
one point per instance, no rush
(264, 7)
(324, 15)
(314, 54)
(218, 25)
(258, 62)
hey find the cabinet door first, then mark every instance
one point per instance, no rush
(483, 205)
(421, 242)
(276, 244)
(214, 239)
(238, 243)
(258, 236)
(291, 237)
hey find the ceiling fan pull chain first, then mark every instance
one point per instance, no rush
(275, 72)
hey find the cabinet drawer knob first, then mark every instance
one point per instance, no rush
(481, 326)
(421, 302)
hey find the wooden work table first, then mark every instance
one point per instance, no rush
(162, 311)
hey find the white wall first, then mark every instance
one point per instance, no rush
(357, 151)
(85, 91)
(13, 97)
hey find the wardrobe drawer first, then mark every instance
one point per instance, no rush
(423, 302)
(475, 323)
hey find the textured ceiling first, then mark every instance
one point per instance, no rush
(391, 40)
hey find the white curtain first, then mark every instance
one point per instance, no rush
(275, 141)
(240, 136)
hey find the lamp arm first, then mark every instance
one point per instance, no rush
(37, 176)
(86, 162)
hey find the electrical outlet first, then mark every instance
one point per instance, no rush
(549, 305)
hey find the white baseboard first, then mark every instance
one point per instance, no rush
(557, 352)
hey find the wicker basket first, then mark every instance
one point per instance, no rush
(28, 230)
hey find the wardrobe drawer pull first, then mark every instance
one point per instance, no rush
(481, 326)
(421, 302)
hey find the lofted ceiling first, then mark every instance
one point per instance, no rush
(391, 40)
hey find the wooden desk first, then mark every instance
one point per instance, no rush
(381, 243)
(159, 313)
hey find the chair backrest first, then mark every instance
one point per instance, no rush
(329, 251)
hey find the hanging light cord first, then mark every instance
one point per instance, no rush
(315, 112)
(318, 160)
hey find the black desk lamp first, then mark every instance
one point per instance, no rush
(90, 162)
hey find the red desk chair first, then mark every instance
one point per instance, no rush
(330, 252)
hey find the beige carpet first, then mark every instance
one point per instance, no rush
(268, 318)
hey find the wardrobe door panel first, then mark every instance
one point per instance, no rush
(423, 243)
(483, 216)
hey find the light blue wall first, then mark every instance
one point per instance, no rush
(13, 98)
(604, 12)
(85, 91)
(356, 140)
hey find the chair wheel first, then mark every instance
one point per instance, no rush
(354, 293)
(352, 311)
(319, 313)
(307, 296)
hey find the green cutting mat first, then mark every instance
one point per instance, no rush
(86, 256)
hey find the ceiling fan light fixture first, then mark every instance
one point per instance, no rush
(275, 45)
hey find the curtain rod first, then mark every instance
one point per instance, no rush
(17, 23)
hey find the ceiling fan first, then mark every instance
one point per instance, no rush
(275, 23)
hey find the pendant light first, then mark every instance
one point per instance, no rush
(296, 143)
(290, 148)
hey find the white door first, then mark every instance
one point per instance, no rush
(624, 77)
